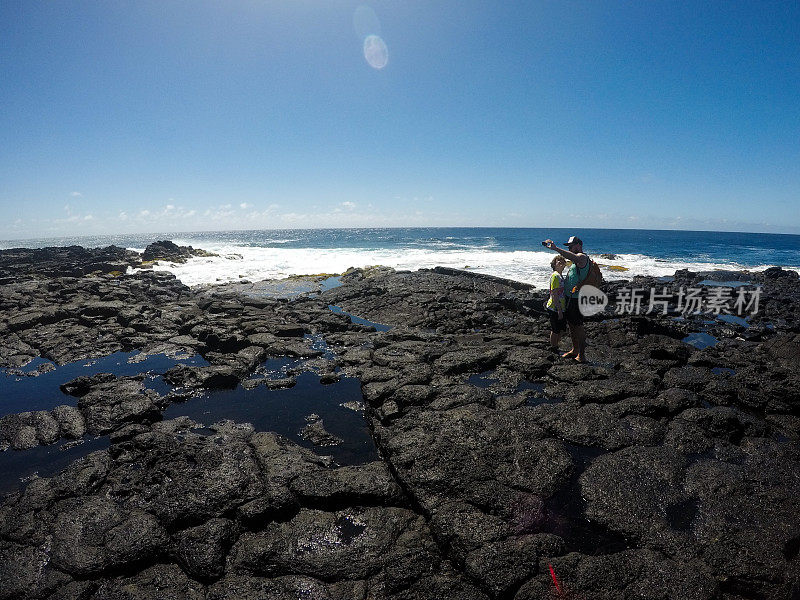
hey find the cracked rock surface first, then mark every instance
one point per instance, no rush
(656, 471)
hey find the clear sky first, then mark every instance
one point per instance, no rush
(143, 116)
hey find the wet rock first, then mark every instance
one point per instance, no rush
(218, 377)
(95, 535)
(316, 433)
(24, 438)
(630, 490)
(282, 383)
(281, 460)
(24, 574)
(351, 544)
(55, 261)
(47, 429)
(361, 484)
(74, 590)
(724, 423)
(376, 391)
(81, 478)
(778, 273)
(668, 402)
(574, 373)
(110, 405)
(787, 426)
(512, 447)
(785, 348)
(263, 339)
(100, 308)
(388, 411)
(510, 402)
(251, 384)
(70, 421)
(187, 341)
(329, 378)
(80, 386)
(167, 250)
(201, 550)
(455, 396)
(598, 426)
(469, 360)
(284, 331)
(446, 584)
(618, 386)
(531, 362)
(412, 394)
(502, 566)
(687, 438)
(19, 431)
(639, 573)
(226, 427)
(689, 378)
(463, 528)
(190, 478)
(748, 504)
(154, 583)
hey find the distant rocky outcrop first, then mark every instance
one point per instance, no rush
(67, 261)
(778, 272)
(169, 251)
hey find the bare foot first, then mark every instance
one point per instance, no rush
(581, 359)
(570, 354)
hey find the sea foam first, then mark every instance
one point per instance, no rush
(253, 263)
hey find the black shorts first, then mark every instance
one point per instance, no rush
(557, 325)
(573, 313)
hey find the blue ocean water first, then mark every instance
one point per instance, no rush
(509, 252)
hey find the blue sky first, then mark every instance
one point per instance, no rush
(123, 117)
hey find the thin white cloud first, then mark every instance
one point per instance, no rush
(244, 205)
(293, 217)
(76, 194)
(349, 205)
(88, 218)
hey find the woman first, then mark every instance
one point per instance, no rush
(556, 302)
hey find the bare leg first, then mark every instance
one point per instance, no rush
(579, 342)
(555, 338)
(574, 351)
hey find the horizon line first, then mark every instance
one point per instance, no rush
(397, 227)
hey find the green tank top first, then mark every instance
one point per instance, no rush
(574, 277)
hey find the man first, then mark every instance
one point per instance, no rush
(577, 272)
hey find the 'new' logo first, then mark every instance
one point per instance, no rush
(591, 300)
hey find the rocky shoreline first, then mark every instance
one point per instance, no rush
(659, 470)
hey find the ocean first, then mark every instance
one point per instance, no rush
(514, 253)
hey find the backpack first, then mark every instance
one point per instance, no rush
(594, 277)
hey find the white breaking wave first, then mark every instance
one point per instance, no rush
(235, 263)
